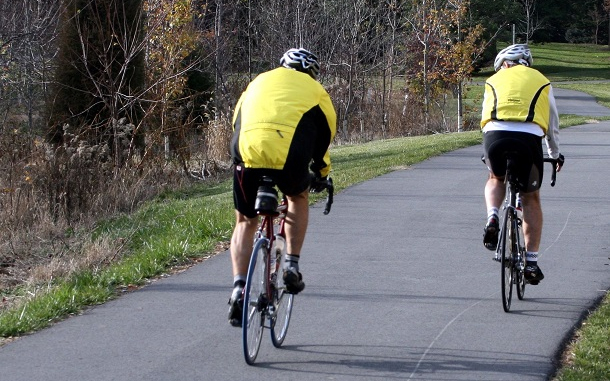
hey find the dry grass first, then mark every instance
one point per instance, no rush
(51, 199)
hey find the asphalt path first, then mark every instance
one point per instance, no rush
(578, 103)
(399, 286)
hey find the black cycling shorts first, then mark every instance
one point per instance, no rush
(246, 181)
(527, 151)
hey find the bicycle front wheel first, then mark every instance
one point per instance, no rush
(506, 256)
(520, 281)
(283, 302)
(519, 269)
(254, 301)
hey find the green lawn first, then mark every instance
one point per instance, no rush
(566, 62)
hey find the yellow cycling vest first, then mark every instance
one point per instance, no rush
(267, 114)
(517, 94)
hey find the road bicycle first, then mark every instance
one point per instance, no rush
(267, 304)
(510, 251)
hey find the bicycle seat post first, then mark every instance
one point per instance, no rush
(512, 181)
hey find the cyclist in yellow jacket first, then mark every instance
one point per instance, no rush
(283, 125)
(518, 111)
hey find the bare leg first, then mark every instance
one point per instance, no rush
(241, 243)
(532, 220)
(297, 218)
(494, 191)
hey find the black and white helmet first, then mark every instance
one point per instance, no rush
(301, 60)
(518, 53)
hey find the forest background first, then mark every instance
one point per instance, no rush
(105, 104)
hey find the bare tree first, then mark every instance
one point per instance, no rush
(347, 65)
(426, 25)
(606, 7)
(530, 22)
(598, 15)
(27, 47)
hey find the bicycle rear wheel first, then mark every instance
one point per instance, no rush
(255, 301)
(282, 302)
(506, 259)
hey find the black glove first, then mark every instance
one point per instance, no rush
(318, 184)
(560, 160)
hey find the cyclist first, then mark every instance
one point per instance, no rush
(518, 110)
(283, 125)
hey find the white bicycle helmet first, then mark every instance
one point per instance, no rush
(301, 60)
(518, 53)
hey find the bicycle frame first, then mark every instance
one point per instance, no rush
(510, 207)
(266, 230)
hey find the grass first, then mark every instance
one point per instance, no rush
(188, 225)
(566, 62)
(587, 358)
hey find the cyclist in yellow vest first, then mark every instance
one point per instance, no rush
(518, 111)
(283, 125)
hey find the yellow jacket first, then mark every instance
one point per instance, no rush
(276, 104)
(517, 94)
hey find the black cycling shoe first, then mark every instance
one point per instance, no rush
(236, 307)
(533, 274)
(293, 281)
(490, 237)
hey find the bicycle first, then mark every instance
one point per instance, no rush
(267, 304)
(510, 251)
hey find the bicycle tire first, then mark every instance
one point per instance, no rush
(520, 262)
(506, 259)
(520, 281)
(283, 302)
(254, 301)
